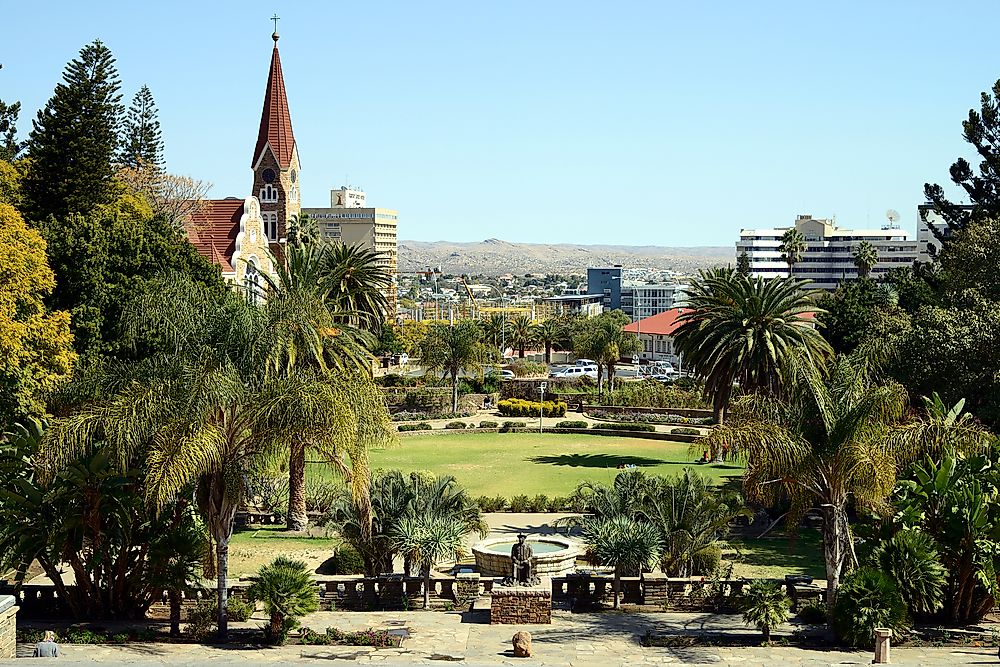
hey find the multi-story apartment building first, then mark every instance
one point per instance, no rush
(829, 256)
(350, 221)
(642, 301)
(606, 282)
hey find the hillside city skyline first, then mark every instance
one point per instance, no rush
(602, 127)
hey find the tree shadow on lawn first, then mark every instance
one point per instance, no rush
(597, 460)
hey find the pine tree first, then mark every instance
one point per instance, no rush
(743, 264)
(9, 147)
(142, 144)
(74, 139)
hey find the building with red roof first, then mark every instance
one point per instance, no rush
(656, 334)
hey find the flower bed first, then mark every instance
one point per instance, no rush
(611, 426)
(335, 637)
(425, 416)
(648, 418)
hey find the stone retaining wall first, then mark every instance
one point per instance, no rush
(8, 628)
(520, 606)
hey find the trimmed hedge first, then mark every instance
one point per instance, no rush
(489, 424)
(454, 425)
(572, 423)
(509, 425)
(422, 426)
(685, 430)
(610, 426)
(516, 407)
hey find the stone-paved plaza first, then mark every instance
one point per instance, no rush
(468, 639)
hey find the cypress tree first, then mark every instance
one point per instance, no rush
(743, 264)
(75, 138)
(142, 144)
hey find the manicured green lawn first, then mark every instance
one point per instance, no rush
(249, 549)
(776, 555)
(509, 464)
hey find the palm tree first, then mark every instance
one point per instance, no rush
(288, 592)
(206, 412)
(602, 339)
(623, 542)
(495, 330)
(836, 438)
(310, 333)
(550, 333)
(740, 330)
(359, 284)
(453, 349)
(865, 258)
(793, 245)
(765, 606)
(427, 540)
(521, 333)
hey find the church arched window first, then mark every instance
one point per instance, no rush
(268, 194)
(251, 282)
(293, 194)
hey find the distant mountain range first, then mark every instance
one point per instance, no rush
(495, 257)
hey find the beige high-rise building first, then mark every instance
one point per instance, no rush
(350, 221)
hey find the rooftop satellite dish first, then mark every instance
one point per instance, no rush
(893, 216)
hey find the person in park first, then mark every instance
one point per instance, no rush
(47, 648)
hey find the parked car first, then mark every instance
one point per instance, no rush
(507, 374)
(575, 372)
(585, 362)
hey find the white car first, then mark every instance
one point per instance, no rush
(585, 362)
(575, 372)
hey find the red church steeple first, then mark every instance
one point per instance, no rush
(275, 121)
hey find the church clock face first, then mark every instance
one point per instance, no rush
(268, 175)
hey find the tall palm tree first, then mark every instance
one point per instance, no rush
(453, 349)
(427, 540)
(495, 330)
(521, 333)
(740, 330)
(602, 339)
(865, 258)
(310, 332)
(360, 284)
(837, 437)
(623, 542)
(792, 247)
(206, 412)
(549, 333)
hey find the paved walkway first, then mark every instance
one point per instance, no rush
(573, 639)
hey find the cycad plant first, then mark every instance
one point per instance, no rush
(765, 606)
(625, 543)
(287, 591)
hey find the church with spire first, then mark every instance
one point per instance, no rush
(242, 234)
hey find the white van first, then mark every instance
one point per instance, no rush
(575, 372)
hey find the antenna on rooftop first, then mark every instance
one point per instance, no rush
(892, 215)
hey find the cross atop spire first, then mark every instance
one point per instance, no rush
(274, 35)
(275, 121)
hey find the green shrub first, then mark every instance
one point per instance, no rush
(454, 425)
(611, 426)
(288, 593)
(494, 504)
(765, 606)
(507, 426)
(647, 417)
(520, 503)
(321, 495)
(911, 559)
(572, 423)
(706, 561)
(653, 394)
(539, 503)
(333, 636)
(201, 619)
(813, 613)
(422, 426)
(396, 380)
(489, 424)
(523, 369)
(347, 560)
(684, 430)
(239, 610)
(868, 599)
(516, 407)
(558, 504)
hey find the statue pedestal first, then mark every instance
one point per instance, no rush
(521, 605)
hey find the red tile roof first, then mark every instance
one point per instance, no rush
(661, 324)
(275, 121)
(212, 229)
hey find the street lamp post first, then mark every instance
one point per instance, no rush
(541, 404)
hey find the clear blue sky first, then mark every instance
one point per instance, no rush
(668, 123)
